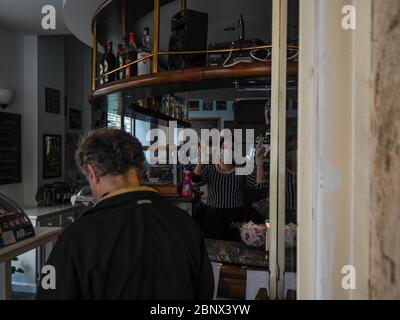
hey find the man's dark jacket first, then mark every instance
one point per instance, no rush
(133, 245)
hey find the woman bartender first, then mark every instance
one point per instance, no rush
(225, 203)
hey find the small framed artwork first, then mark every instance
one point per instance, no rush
(222, 105)
(53, 102)
(52, 152)
(75, 119)
(208, 105)
(194, 105)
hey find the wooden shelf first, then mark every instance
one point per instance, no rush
(123, 92)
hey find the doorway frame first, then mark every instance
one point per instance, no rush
(312, 282)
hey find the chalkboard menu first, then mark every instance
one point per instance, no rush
(10, 148)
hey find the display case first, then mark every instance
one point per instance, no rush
(15, 225)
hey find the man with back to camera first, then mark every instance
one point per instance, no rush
(132, 244)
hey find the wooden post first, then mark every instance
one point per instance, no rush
(94, 57)
(183, 4)
(156, 40)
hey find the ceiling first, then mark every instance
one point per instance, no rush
(25, 16)
(222, 13)
(78, 16)
(75, 16)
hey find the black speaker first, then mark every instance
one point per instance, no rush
(189, 33)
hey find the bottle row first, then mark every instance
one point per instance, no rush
(169, 105)
(128, 51)
(56, 193)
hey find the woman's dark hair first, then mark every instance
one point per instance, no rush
(110, 152)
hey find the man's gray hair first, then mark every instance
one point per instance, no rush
(110, 152)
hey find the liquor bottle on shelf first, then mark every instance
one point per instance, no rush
(164, 104)
(241, 29)
(57, 193)
(101, 66)
(65, 193)
(109, 63)
(120, 62)
(153, 103)
(144, 66)
(143, 103)
(131, 55)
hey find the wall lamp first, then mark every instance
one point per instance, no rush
(6, 97)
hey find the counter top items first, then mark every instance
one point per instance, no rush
(236, 253)
(252, 234)
(83, 197)
(158, 175)
(40, 212)
(258, 235)
(42, 236)
(15, 225)
(56, 194)
(187, 187)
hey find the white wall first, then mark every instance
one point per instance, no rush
(30, 128)
(11, 76)
(51, 70)
(28, 65)
(78, 70)
(77, 88)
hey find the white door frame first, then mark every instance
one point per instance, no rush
(335, 99)
(278, 148)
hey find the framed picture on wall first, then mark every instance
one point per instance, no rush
(208, 105)
(52, 156)
(194, 105)
(75, 119)
(10, 148)
(222, 105)
(53, 100)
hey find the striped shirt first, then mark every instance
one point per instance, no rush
(225, 190)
